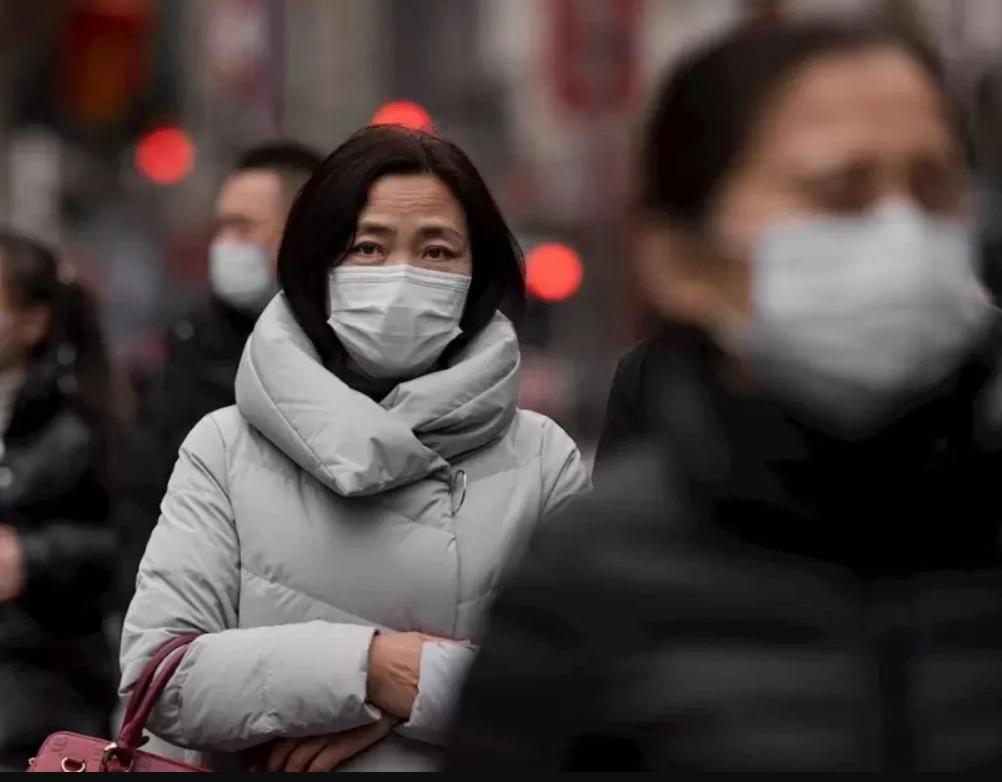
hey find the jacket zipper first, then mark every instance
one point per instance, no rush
(457, 489)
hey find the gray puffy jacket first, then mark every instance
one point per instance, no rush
(301, 520)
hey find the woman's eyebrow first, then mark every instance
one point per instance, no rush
(440, 230)
(371, 226)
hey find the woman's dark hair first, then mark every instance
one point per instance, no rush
(706, 110)
(321, 229)
(73, 352)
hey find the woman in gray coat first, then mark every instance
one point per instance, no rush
(337, 535)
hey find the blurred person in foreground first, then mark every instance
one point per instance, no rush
(628, 412)
(203, 350)
(338, 534)
(58, 411)
(802, 574)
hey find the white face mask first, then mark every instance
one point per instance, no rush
(395, 321)
(853, 317)
(242, 274)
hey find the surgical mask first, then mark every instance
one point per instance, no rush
(242, 274)
(395, 321)
(854, 318)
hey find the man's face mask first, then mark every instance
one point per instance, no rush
(395, 321)
(852, 318)
(242, 274)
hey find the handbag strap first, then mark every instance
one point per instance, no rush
(150, 685)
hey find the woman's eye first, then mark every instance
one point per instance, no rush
(438, 253)
(844, 195)
(367, 249)
(940, 189)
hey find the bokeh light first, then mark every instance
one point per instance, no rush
(403, 112)
(165, 156)
(553, 272)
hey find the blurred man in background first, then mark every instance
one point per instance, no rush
(203, 349)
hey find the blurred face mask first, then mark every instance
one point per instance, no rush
(853, 318)
(395, 321)
(242, 274)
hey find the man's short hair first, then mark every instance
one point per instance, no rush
(293, 162)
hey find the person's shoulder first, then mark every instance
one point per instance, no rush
(636, 487)
(70, 434)
(218, 432)
(203, 323)
(631, 509)
(540, 430)
(190, 323)
(535, 437)
(214, 444)
(183, 338)
(601, 559)
(635, 360)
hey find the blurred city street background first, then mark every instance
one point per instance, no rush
(118, 119)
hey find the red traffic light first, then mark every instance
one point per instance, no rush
(553, 272)
(165, 156)
(404, 112)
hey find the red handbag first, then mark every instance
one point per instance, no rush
(75, 753)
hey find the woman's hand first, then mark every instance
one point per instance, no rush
(394, 671)
(325, 753)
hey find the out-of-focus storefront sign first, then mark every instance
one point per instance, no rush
(240, 52)
(596, 53)
(237, 41)
(106, 58)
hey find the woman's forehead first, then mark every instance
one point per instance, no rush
(874, 104)
(412, 196)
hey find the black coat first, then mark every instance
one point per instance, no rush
(628, 412)
(203, 355)
(57, 668)
(752, 596)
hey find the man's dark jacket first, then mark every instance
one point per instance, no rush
(203, 353)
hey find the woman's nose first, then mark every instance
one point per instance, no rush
(402, 258)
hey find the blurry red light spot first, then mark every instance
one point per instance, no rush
(553, 272)
(403, 112)
(165, 156)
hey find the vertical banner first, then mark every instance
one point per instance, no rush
(106, 58)
(597, 73)
(276, 66)
(240, 43)
(596, 54)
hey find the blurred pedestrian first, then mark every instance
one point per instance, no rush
(338, 534)
(58, 415)
(632, 404)
(802, 573)
(204, 348)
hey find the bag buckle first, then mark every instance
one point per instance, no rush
(117, 753)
